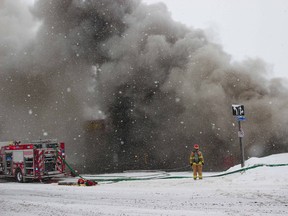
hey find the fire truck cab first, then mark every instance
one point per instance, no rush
(37, 160)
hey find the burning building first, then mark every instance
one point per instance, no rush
(161, 85)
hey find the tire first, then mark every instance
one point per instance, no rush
(19, 176)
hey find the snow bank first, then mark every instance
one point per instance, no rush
(264, 171)
(276, 159)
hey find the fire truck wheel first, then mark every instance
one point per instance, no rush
(19, 176)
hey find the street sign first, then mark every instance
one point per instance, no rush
(241, 118)
(241, 133)
(238, 110)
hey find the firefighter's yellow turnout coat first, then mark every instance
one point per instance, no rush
(197, 162)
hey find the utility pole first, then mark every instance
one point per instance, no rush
(238, 111)
(241, 135)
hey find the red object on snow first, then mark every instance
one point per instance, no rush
(86, 182)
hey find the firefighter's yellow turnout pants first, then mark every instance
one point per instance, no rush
(197, 170)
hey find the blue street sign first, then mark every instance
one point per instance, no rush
(241, 118)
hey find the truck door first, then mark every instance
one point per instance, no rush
(18, 161)
(18, 165)
(8, 163)
(1, 164)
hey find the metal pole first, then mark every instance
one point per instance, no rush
(241, 145)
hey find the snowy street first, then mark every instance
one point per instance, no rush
(259, 191)
(120, 93)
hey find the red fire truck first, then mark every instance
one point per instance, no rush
(37, 160)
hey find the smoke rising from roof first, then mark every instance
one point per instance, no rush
(161, 86)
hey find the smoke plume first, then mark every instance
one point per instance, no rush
(158, 85)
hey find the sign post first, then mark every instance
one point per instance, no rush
(238, 111)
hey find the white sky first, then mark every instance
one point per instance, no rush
(245, 28)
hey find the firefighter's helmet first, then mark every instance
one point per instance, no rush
(196, 146)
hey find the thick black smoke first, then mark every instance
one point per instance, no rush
(158, 86)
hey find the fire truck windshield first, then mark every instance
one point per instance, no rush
(38, 146)
(46, 145)
(51, 145)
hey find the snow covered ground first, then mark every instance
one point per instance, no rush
(259, 191)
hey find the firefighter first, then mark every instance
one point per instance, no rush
(196, 162)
